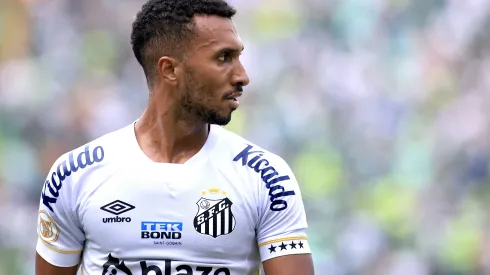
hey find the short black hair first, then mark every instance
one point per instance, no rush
(162, 27)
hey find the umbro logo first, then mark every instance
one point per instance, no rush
(117, 208)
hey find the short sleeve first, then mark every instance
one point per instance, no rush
(282, 225)
(60, 235)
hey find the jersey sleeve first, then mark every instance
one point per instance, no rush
(282, 225)
(60, 235)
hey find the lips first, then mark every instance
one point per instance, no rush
(233, 96)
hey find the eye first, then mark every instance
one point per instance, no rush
(224, 57)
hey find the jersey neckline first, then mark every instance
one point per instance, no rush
(200, 156)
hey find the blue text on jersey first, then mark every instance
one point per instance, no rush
(64, 170)
(269, 176)
(161, 226)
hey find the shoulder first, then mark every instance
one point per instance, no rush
(255, 164)
(246, 153)
(79, 163)
(92, 154)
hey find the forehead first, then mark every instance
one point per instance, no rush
(214, 33)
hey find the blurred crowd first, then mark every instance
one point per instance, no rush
(380, 107)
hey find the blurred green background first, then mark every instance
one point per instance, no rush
(381, 107)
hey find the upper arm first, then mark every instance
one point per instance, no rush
(61, 238)
(45, 268)
(290, 265)
(281, 231)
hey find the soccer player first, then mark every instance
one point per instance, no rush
(174, 193)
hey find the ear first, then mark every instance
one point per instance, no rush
(167, 69)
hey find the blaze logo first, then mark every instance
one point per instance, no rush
(114, 265)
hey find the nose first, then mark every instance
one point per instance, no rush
(240, 76)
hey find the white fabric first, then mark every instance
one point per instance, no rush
(229, 208)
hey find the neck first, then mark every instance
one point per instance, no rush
(164, 136)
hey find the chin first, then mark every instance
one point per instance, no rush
(223, 121)
(219, 119)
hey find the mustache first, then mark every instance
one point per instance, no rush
(237, 89)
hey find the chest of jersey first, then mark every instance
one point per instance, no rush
(169, 219)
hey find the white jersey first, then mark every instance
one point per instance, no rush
(230, 207)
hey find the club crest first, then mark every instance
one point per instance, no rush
(214, 216)
(47, 228)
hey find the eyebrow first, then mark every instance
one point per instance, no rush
(231, 50)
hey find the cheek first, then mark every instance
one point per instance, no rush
(212, 91)
(203, 95)
(210, 87)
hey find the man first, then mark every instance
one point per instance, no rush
(175, 193)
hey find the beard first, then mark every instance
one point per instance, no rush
(193, 102)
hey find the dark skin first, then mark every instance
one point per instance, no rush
(186, 97)
(190, 94)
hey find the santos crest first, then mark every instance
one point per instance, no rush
(214, 216)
